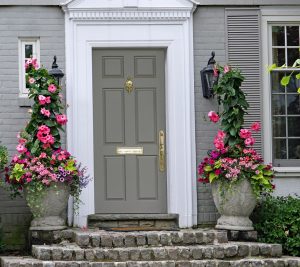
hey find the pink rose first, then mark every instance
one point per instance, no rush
(45, 112)
(31, 80)
(219, 144)
(61, 119)
(244, 133)
(221, 134)
(21, 148)
(255, 126)
(249, 141)
(52, 88)
(226, 68)
(44, 100)
(213, 116)
(43, 155)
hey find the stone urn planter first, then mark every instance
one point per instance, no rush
(235, 205)
(49, 207)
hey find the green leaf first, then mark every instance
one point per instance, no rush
(208, 168)
(297, 62)
(233, 131)
(35, 146)
(54, 132)
(50, 123)
(212, 176)
(298, 76)
(271, 67)
(285, 80)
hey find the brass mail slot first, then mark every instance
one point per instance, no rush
(130, 150)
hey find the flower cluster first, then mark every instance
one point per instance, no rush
(41, 162)
(230, 163)
(27, 169)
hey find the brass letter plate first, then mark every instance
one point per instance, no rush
(130, 150)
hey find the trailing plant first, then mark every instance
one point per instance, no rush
(41, 162)
(234, 158)
(276, 219)
(233, 102)
(285, 80)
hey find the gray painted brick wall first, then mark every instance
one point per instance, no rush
(47, 23)
(209, 35)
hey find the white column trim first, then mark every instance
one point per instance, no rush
(176, 36)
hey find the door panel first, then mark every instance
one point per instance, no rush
(130, 183)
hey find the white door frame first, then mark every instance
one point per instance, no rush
(89, 24)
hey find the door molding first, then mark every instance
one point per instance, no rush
(176, 36)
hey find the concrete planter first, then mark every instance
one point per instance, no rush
(49, 207)
(235, 205)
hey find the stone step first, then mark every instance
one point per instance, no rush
(150, 238)
(72, 252)
(146, 221)
(101, 238)
(249, 262)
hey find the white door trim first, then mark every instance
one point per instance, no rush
(89, 26)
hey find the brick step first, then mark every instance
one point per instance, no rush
(158, 221)
(248, 262)
(72, 252)
(101, 238)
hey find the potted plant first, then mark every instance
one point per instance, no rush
(45, 172)
(234, 168)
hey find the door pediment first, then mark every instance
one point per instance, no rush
(120, 4)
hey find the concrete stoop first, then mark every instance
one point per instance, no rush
(184, 248)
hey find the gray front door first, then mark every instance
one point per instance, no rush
(129, 127)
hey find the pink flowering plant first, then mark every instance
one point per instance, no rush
(41, 162)
(233, 157)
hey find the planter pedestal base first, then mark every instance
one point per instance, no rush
(240, 223)
(48, 223)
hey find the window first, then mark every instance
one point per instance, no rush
(28, 48)
(285, 100)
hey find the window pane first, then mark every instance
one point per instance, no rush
(278, 104)
(279, 56)
(278, 35)
(279, 129)
(293, 55)
(28, 50)
(276, 85)
(293, 126)
(294, 148)
(293, 102)
(292, 33)
(279, 149)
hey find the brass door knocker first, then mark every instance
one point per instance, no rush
(129, 85)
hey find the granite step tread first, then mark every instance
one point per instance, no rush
(101, 238)
(151, 238)
(229, 250)
(137, 220)
(247, 262)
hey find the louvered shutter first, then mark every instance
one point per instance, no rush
(244, 52)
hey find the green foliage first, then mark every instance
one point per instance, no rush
(3, 157)
(286, 79)
(277, 220)
(234, 104)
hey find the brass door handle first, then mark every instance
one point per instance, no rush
(161, 151)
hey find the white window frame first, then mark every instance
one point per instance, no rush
(35, 42)
(271, 16)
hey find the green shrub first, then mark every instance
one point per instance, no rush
(277, 220)
(3, 156)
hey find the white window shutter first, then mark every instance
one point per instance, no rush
(244, 52)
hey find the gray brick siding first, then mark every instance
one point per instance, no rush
(209, 35)
(47, 23)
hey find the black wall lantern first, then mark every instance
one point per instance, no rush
(208, 79)
(55, 71)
